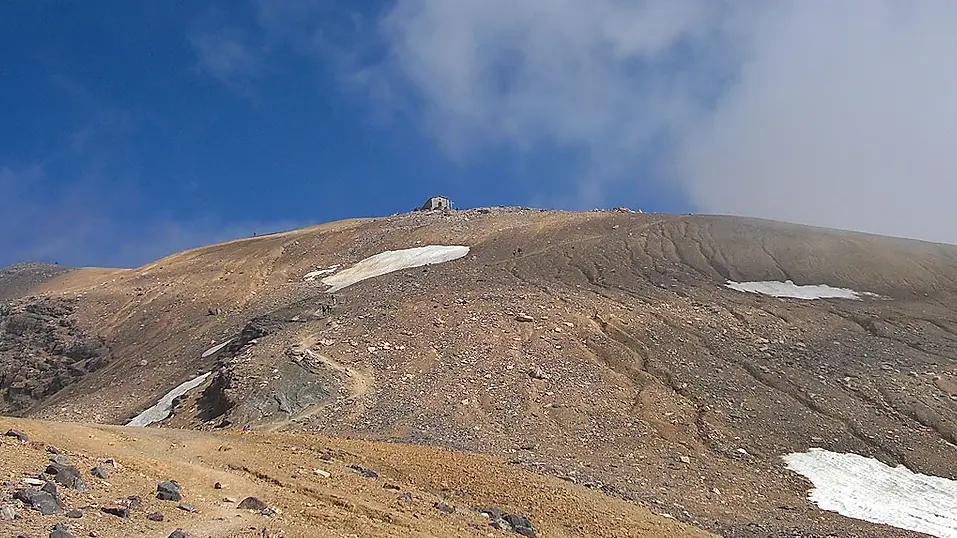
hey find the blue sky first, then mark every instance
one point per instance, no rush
(122, 142)
(132, 130)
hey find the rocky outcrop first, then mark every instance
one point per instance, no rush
(42, 351)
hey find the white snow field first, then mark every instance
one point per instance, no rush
(864, 488)
(792, 290)
(216, 348)
(393, 260)
(164, 406)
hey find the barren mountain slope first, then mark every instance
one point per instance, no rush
(317, 487)
(602, 347)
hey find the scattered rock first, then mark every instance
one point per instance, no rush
(514, 522)
(187, 508)
(524, 318)
(8, 513)
(406, 499)
(168, 491)
(684, 459)
(116, 510)
(34, 481)
(538, 373)
(443, 506)
(61, 531)
(179, 533)
(155, 516)
(22, 437)
(252, 503)
(320, 472)
(67, 475)
(100, 472)
(368, 473)
(41, 501)
(50, 487)
(59, 459)
(391, 487)
(268, 512)
(229, 500)
(133, 502)
(218, 485)
(75, 513)
(53, 450)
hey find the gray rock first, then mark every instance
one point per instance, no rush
(75, 514)
(61, 531)
(179, 533)
(525, 531)
(268, 512)
(22, 437)
(252, 503)
(168, 491)
(53, 450)
(187, 507)
(67, 475)
(368, 473)
(59, 459)
(8, 513)
(50, 487)
(41, 501)
(100, 472)
(520, 524)
(155, 516)
(116, 510)
(443, 506)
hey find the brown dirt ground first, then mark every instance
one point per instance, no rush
(278, 469)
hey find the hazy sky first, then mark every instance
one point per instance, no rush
(134, 129)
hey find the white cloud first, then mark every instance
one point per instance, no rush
(227, 55)
(810, 111)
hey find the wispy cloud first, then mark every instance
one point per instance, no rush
(77, 223)
(838, 115)
(228, 55)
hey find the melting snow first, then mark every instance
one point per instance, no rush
(216, 348)
(790, 289)
(309, 277)
(864, 488)
(393, 260)
(164, 407)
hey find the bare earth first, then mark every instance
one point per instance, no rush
(598, 353)
(279, 470)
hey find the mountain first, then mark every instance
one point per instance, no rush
(644, 356)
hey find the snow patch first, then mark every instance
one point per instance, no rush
(216, 348)
(309, 277)
(393, 260)
(790, 289)
(864, 488)
(164, 407)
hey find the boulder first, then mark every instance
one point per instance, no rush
(116, 510)
(168, 491)
(155, 516)
(22, 437)
(41, 501)
(8, 513)
(252, 503)
(100, 472)
(61, 531)
(443, 506)
(67, 475)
